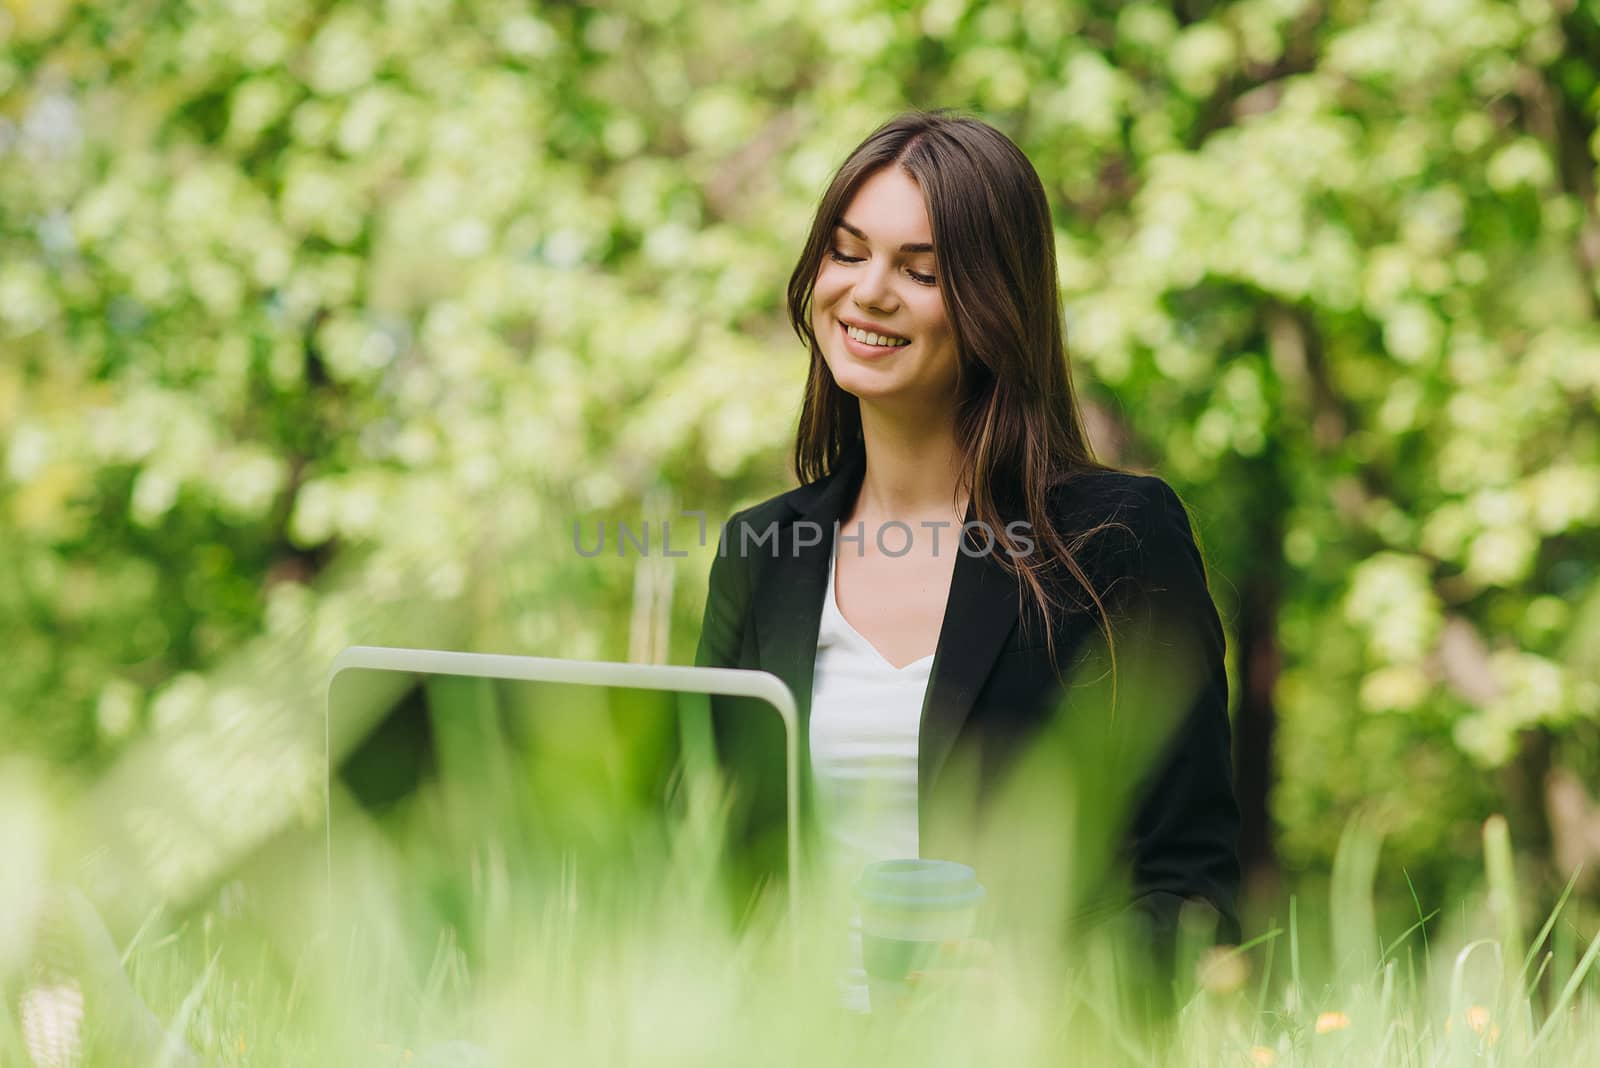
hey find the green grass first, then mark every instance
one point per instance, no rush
(433, 939)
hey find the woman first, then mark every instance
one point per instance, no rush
(931, 670)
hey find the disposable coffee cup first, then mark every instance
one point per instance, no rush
(908, 909)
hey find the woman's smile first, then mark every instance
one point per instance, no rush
(857, 341)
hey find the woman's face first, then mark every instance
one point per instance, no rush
(879, 275)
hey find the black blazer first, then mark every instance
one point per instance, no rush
(993, 697)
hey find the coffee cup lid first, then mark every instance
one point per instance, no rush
(919, 885)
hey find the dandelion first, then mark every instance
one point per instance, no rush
(1332, 1021)
(1263, 1056)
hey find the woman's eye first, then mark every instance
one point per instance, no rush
(839, 257)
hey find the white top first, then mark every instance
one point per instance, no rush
(865, 715)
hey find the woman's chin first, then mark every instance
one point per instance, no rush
(869, 384)
(862, 388)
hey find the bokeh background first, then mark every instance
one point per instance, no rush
(324, 323)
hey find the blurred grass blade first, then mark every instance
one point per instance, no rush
(1351, 916)
(1549, 925)
(1508, 923)
(1416, 901)
(173, 1051)
(1419, 925)
(1567, 993)
(1296, 988)
(1502, 886)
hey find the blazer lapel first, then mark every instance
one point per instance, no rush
(979, 615)
(980, 612)
(794, 587)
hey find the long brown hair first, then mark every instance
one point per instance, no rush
(1018, 425)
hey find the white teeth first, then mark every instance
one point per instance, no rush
(870, 338)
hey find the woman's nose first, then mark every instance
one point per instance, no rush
(872, 287)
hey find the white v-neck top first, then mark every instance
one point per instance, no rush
(865, 716)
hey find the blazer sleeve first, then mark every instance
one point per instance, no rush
(746, 738)
(1182, 842)
(727, 604)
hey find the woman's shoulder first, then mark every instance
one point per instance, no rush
(756, 530)
(779, 508)
(1092, 497)
(1122, 523)
(784, 507)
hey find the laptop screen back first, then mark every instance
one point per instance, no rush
(469, 776)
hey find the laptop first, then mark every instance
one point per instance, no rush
(553, 779)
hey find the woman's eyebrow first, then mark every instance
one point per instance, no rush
(909, 246)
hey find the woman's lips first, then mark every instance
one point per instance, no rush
(862, 349)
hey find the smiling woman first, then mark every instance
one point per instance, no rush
(931, 672)
(877, 304)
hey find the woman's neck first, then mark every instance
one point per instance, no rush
(912, 471)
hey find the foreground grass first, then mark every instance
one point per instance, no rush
(474, 955)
